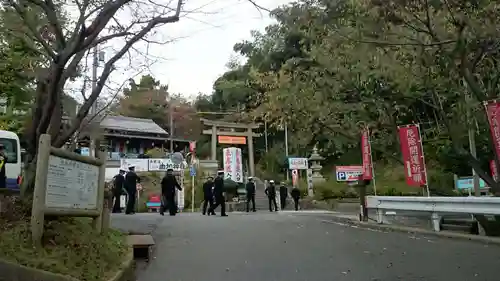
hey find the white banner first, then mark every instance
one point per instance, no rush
(233, 167)
(180, 193)
(298, 164)
(141, 165)
(159, 164)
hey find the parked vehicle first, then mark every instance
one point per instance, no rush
(12, 147)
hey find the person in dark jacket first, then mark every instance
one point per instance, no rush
(296, 197)
(283, 195)
(131, 181)
(119, 181)
(168, 185)
(208, 196)
(219, 195)
(271, 196)
(3, 161)
(250, 188)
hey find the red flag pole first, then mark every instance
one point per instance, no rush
(423, 160)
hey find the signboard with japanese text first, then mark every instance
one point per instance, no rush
(413, 155)
(348, 173)
(233, 166)
(298, 164)
(493, 112)
(162, 164)
(310, 187)
(366, 151)
(141, 165)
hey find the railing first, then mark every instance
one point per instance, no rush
(434, 205)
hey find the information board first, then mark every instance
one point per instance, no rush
(71, 184)
(348, 173)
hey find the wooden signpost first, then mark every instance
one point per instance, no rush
(66, 184)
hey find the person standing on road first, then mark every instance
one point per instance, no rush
(219, 195)
(296, 197)
(119, 184)
(283, 195)
(208, 196)
(250, 188)
(3, 161)
(168, 185)
(271, 196)
(131, 181)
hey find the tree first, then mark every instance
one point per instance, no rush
(149, 99)
(64, 44)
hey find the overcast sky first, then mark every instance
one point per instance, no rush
(191, 63)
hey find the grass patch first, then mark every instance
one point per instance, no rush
(71, 247)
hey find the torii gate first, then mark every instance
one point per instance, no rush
(228, 135)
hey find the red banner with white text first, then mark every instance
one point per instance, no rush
(366, 151)
(413, 155)
(493, 112)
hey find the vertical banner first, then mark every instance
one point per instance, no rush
(192, 149)
(366, 151)
(413, 155)
(493, 169)
(233, 166)
(493, 112)
(295, 177)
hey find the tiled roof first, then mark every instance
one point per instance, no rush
(132, 124)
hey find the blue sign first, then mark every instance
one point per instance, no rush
(341, 176)
(468, 183)
(85, 151)
(192, 171)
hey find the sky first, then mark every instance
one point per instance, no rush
(202, 45)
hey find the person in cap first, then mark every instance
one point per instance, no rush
(283, 195)
(118, 187)
(271, 196)
(131, 181)
(208, 196)
(250, 188)
(168, 185)
(219, 195)
(3, 161)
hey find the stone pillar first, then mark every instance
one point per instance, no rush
(315, 160)
(250, 153)
(214, 143)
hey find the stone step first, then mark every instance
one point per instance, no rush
(142, 245)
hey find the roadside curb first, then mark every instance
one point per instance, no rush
(406, 229)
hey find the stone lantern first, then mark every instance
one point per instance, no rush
(315, 160)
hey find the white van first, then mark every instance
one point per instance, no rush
(12, 149)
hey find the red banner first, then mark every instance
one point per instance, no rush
(493, 112)
(192, 146)
(493, 169)
(413, 155)
(366, 151)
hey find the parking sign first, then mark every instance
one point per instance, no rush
(348, 173)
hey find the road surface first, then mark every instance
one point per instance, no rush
(284, 246)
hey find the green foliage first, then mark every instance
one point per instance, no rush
(71, 248)
(329, 68)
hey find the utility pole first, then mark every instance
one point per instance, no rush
(472, 139)
(286, 149)
(95, 65)
(171, 125)
(265, 133)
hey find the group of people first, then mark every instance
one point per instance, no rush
(128, 183)
(213, 193)
(125, 183)
(271, 195)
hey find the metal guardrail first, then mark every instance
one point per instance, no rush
(434, 205)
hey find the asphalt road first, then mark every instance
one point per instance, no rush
(289, 247)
